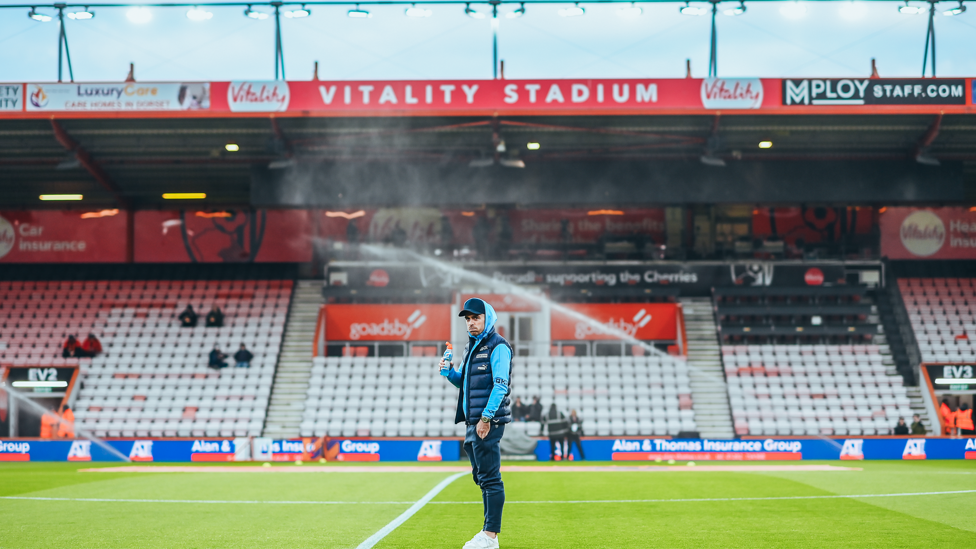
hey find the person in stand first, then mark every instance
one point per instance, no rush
(215, 318)
(558, 428)
(217, 359)
(72, 348)
(518, 410)
(948, 416)
(917, 427)
(92, 346)
(535, 410)
(964, 420)
(49, 424)
(573, 437)
(902, 428)
(484, 406)
(243, 357)
(66, 428)
(188, 318)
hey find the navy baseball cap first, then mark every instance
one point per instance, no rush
(473, 306)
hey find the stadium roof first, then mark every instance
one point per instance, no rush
(132, 158)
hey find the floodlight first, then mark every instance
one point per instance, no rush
(357, 13)
(737, 10)
(259, 15)
(57, 197)
(573, 11)
(299, 13)
(474, 14)
(911, 10)
(38, 16)
(517, 13)
(956, 10)
(414, 11)
(197, 14)
(688, 9)
(81, 15)
(533, 146)
(139, 15)
(232, 147)
(765, 144)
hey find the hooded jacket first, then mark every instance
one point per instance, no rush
(484, 376)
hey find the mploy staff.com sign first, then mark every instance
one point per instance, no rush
(387, 322)
(127, 96)
(930, 233)
(867, 91)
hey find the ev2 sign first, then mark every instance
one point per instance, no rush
(42, 374)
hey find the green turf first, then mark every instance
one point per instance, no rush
(912, 521)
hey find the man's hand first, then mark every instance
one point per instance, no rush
(445, 366)
(483, 429)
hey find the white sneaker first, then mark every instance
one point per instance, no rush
(481, 541)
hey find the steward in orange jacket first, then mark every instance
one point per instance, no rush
(964, 420)
(48, 423)
(67, 427)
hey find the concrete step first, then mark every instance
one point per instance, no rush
(708, 390)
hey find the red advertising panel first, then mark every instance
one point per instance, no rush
(48, 236)
(812, 224)
(388, 322)
(232, 236)
(447, 96)
(585, 226)
(534, 226)
(507, 303)
(643, 321)
(928, 233)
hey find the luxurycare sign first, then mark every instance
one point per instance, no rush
(387, 322)
(929, 233)
(49, 236)
(606, 95)
(642, 321)
(126, 96)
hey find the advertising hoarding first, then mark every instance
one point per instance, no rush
(387, 322)
(928, 233)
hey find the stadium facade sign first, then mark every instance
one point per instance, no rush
(872, 91)
(11, 97)
(732, 93)
(928, 233)
(118, 97)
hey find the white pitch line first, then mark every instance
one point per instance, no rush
(447, 481)
(375, 538)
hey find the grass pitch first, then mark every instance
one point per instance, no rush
(545, 509)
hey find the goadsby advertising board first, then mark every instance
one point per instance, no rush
(928, 233)
(125, 96)
(387, 322)
(643, 321)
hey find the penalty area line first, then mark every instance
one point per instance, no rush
(383, 532)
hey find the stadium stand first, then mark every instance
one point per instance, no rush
(942, 312)
(808, 361)
(615, 395)
(152, 379)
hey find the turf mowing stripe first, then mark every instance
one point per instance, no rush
(448, 480)
(375, 538)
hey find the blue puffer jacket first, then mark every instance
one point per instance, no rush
(484, 380)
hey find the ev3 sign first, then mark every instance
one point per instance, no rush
(852, 91)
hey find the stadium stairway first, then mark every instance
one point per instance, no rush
(709, 395)
(295, 364)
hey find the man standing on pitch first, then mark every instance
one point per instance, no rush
(483, 405)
